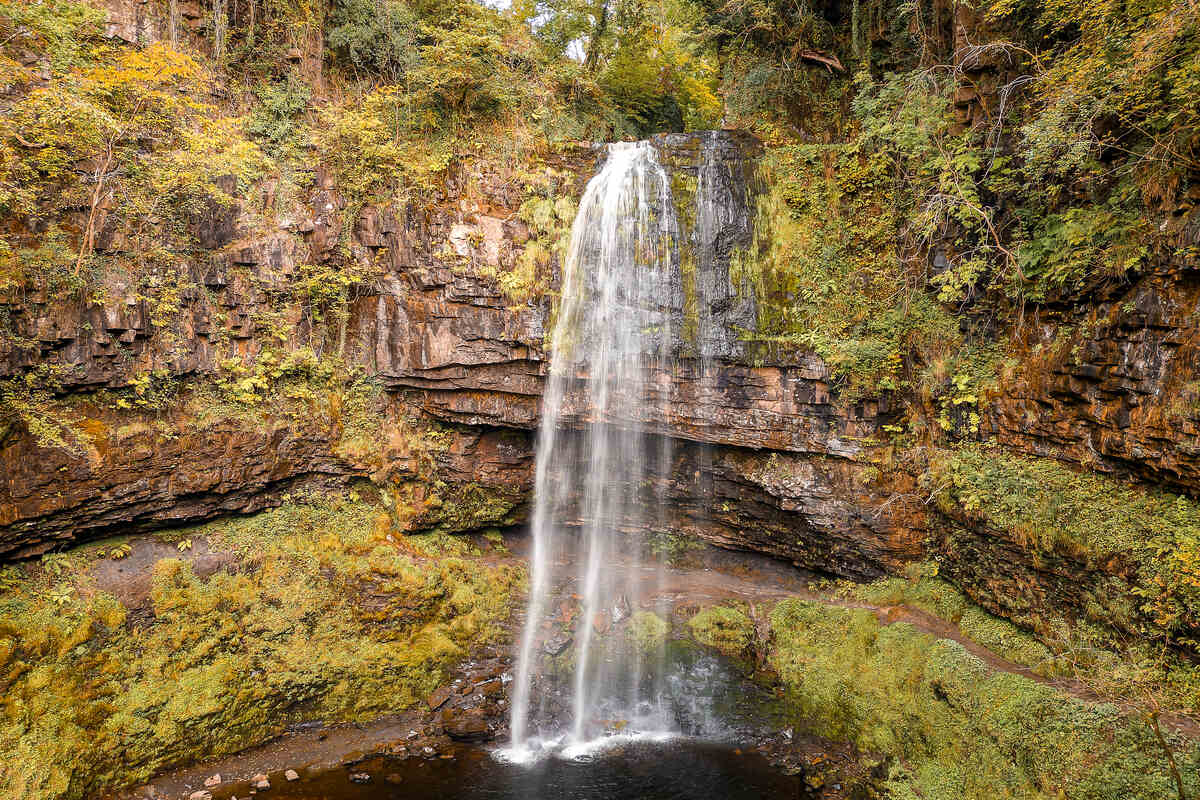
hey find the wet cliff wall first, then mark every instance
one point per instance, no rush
(447, 374)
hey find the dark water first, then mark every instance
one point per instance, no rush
(673, 771)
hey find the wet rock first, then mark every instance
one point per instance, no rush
(439, 698)
(394, 777)
(557, 644)
(466, 725)
(213, 780)
(260, 782)
(200, 795)
(360, 777)
(291, 775)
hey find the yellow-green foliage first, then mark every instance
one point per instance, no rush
(962, 731)
(1138, 68)
(723, 628)
(320, 618)
(1008, 641)
(1054, 509)
(431, 505)
(28, 401)
(927, 593)
(460, 80)
(827, 270)
(125, 135)
(549, 219)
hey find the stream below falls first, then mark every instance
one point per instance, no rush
(682, 769)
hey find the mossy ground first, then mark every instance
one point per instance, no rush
(320, 616)
(648, 631)
(950, 727)
(958, 729)
(921, 589)
(1139, 549)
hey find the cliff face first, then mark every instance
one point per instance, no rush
(1113, 387)
(436, 332)
(447, 305)
(791, 468)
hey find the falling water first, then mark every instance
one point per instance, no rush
(603, 463)
(620, 285)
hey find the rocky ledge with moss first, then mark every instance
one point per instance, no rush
(122, 658)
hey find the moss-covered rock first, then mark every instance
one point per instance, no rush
(647, 630)
(724, 629)
(922, 590)
(957, 729)
(319, 617)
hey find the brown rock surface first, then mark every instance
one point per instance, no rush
(445, 343)
(1116, 389)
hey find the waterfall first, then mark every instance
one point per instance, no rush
(620, 286)
(603, 464)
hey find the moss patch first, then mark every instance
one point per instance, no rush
(320, 618)
(957, 729)
(922, 590)
(647, 630)
(725, 629)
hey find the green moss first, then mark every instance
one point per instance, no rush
(320, 618)
(672, 548)
(824, 268)
(722, 628)
(928, 594)
(922, 590)
(435, 506)
(960, 730)
(683, 194)
(647, 630)
(1053, 509)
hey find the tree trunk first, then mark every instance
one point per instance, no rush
(219, 24)
(173, 22)
(1162, 742)
(592, 59)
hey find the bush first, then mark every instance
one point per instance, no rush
(274, 120)
(374, 35)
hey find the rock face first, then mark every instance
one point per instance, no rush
(143, 474)
(1117, 388)
(435, 330)
(820, 513)
(135, 478)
